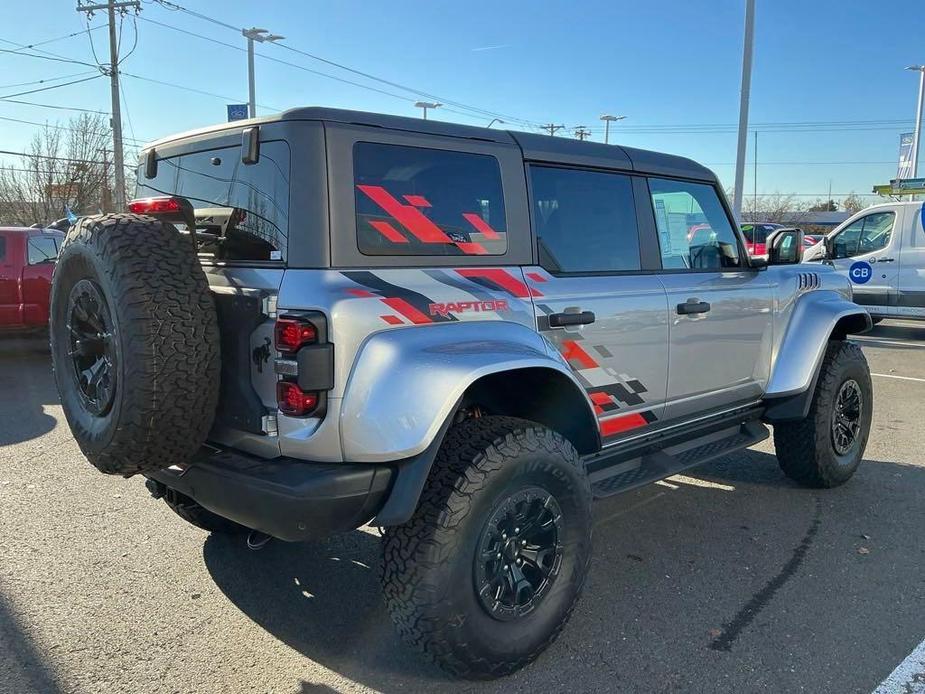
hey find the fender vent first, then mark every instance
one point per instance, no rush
(808, 281)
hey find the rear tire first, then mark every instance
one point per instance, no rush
(135, 343)
(825, 448)
(449, 573)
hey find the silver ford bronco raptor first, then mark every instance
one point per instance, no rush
(324, 319)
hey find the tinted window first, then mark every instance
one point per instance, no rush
(242, 211)
(693, 229)
(865, 235)
(585, 220)
(416, 201)
(2, 247)
(42, 249)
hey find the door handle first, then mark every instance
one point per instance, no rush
(884, 260)
(560, 320)
(693, 306)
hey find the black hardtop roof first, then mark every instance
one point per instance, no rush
(535, 147)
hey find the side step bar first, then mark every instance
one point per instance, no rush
(619, 472)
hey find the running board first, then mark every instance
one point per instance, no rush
(628, 473)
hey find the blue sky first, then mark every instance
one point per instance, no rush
(661, 63)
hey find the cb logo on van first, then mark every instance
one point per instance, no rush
(860, 272)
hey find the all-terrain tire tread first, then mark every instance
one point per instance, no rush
(471, 452)
(169, 338)
(799, 444)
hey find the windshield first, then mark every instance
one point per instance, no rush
(758, 233)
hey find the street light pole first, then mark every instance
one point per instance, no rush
(608, 119)
(917, 136)
(428, 104)
(261, 35)
(743, 107)
(493, 121)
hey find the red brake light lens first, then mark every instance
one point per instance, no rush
(291, 334)
(293, 401)
(155, 206)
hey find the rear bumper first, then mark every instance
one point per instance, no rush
(289, 499)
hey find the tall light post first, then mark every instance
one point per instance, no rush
(917, 136)
(608, 119)
(493, 121)
(260, 35)
(743, 107)
(426, 105)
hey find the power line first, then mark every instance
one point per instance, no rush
(56, 106)
(28, 155)
(46, 80)
(47, 41)
(189, 89)
(53, 86)
(62, 127)
(360, 73)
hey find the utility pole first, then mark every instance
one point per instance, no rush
(917, 136)
(106, 197)
(260, 35)
(608, 119)
(551, 128)
(430, 104)
(111, 6)
(743, 107)
(755, 177)
(582, 133)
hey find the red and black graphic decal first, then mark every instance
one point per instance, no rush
(498, 279)
(617, 425)
(415, 222)
(609, 392)
(409, 304)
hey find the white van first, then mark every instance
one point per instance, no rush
(882, 251)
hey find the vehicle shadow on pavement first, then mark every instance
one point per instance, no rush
(27, 385)
(687, 579)
(23, 666)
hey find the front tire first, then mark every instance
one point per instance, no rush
(485, 575)
(825, 448)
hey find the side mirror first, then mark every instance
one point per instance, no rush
(785, 247)
(829, 242)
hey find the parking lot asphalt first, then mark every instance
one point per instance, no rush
(729, 578)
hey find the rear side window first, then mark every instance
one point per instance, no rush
(42, 249)
(2, 247)
(242, 211)
(694, 232)
(585, 220)
(427, 202)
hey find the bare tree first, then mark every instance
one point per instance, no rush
(776, 209)
(853, 203)
(64, 166)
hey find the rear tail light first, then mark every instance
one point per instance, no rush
(293, 401)
(155, 206)
(291, 334)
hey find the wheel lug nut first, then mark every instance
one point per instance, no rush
(523, 542)
(516, 530)
(498, 555)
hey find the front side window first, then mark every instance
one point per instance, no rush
(694, 232)
(416, 201)
(865, 235)
(242, 211)
(585, 220)
(42, 250)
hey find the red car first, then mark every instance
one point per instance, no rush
(756, 236)
(27, 258)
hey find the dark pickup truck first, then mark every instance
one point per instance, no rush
(27, 258)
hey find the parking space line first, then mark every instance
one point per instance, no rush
(909, 675)
(900, 378)
(877, 340)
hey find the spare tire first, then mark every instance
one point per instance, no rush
(134, 342)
